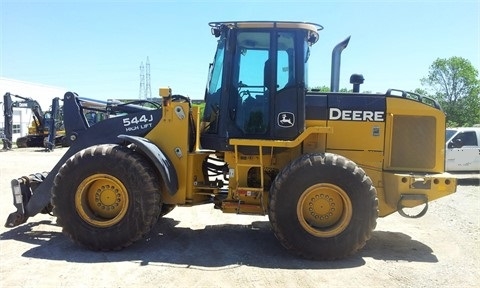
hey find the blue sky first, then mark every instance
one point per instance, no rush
(95, 48)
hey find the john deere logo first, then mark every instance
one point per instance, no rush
(286, 119)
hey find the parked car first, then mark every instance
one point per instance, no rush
(462, 149)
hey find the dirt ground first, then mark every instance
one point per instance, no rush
(202, 247)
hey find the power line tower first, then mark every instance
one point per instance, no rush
(148, 88)
(141, 91)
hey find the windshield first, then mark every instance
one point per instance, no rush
(449, 134)
(212, 96)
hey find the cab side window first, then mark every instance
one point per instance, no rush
(285, 60)
(468, 138)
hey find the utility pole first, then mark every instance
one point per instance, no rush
(141, 91)
(148, 88)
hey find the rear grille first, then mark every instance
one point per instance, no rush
(413, 142)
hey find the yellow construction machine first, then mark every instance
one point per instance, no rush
(322, 166)
(45, 129)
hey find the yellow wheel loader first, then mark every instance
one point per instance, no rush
(322, 165)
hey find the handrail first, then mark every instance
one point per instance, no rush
(282, 143)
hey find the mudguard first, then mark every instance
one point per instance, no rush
(159, 159)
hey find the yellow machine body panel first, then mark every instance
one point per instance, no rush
(361, 142)
(171, 135)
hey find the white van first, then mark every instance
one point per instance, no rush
(462, 149)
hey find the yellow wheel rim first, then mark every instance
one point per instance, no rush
(101, 200)
(324, 210)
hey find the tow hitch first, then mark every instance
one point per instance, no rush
(414, 199)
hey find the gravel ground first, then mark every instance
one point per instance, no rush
(202, 247)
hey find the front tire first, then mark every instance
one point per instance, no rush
(323, 207)
(106, 197)
(167, 208)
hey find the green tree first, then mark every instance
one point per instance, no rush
(456, 86)
(323, 88)
(421, 91)
(327, 89)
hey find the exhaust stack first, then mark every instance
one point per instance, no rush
(336, 56)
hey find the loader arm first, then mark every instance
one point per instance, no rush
(30, 202)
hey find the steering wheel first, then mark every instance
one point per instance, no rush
(245, 94)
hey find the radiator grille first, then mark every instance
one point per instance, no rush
(413, 142)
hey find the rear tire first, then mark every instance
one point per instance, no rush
(106, 197)
(323, 207)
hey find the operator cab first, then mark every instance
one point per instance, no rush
(257, 82)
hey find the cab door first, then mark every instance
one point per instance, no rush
(256, 87)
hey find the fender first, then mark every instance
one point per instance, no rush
(162, 163)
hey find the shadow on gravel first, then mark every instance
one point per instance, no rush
(396, 246)
(216, 247)
(29, 233)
